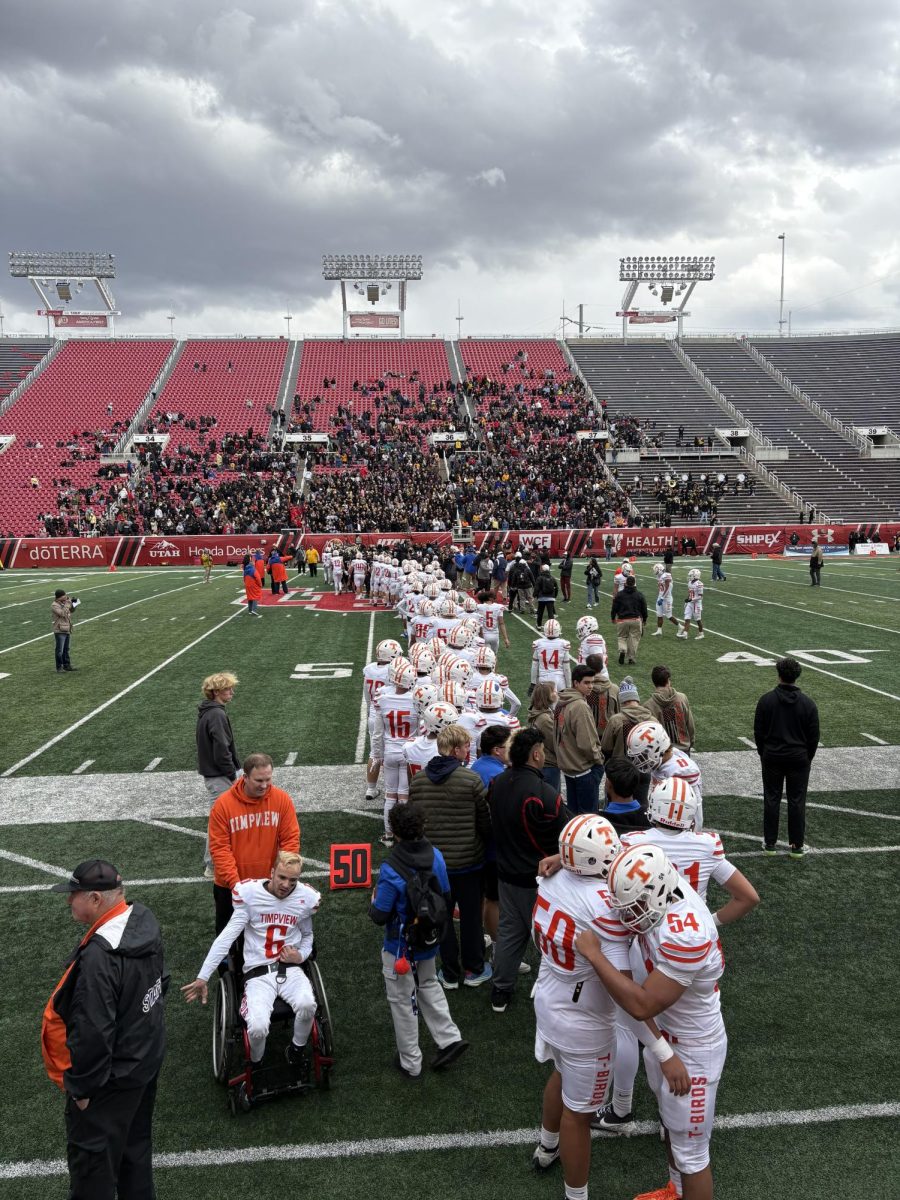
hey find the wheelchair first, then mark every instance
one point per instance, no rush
(249, 1085)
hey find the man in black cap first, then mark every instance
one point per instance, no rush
(62, 627)
(103, 1037)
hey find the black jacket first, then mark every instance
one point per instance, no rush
(786, 724)
(628, 605)
(112, 1006)
(527, 815)
(716, 553)
(627, 822)
(546, 587)
(216, 754)
(565, 567)
(520, 575)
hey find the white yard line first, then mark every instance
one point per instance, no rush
(872, 738)
(375, 814)
(432, 1142)
(152, 764)
(855, 812)
(24, 861)
(118, 696)
(819, 615)
(82, 767)
(822, 850)
(747, 742)
(825, 587)
(363, 707)
(197, 833)
(100, 616)
(291, 759)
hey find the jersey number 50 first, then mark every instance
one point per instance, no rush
(558, 941)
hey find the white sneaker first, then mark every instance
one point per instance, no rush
(681, 634)
(699, 637)
(543, 1159)
(656, 633)
(208, 872)
(524, 968)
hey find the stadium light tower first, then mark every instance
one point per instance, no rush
(373, 276)
(667, 276)
(66, 272)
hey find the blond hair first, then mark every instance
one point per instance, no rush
(540, 697)
(452, 737)
(217, 683)
(288, 858)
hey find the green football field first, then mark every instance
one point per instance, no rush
(101, 762)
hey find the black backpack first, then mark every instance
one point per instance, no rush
(427, 915)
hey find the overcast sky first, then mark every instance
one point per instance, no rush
(520, 146)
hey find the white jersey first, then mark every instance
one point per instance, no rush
(490, 616)
(594, 643)
(358, 566)
(395, 720)
(574, 1010)
(664, 586)
(686, 947)
(337, 564)
(551, 662)
(422, 628)
(443, 627)
(267, 923)
(694, 602)
(699, 857)
(681, 766)
(476, 721)
(619, 580)
(419, 753)
(375, 677)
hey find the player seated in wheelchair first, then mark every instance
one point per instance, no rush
(274, 916)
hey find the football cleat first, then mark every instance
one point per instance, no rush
(543, 1160)
(607, 1120)
(681, 634)
(664, 1193)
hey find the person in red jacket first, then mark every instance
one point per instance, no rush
(259, 565)
(252, 586)
(248, 825)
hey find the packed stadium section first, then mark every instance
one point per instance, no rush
(143, 436)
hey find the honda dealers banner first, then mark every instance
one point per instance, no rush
(154, 551)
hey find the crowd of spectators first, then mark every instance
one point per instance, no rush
(688, 496)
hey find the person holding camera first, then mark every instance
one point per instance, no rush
(63, 605)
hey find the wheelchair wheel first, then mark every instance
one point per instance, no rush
(225, 1016)
(322, 1032)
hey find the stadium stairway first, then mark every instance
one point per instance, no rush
(824, 467)
(19, 357)
(69, 399)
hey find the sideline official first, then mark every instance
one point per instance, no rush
(62, 607)
(103, 1037)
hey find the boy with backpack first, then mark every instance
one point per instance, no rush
(412, 901)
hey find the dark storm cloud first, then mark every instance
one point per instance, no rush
(224, 149)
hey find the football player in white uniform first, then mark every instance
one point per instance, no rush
(575, 1012)
(693, 606)
(358, 568)
(421, 750)
(394, 721)
(699, 857)
(376, 675)
(485, 661)
(275, 917)
(679, 942)
(489, 711)
(622, 574)
(493, 627)
(650, 749)
(337, 570)
(591, 641)
(550, 658)
(663, 598)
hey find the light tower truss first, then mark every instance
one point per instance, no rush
(670, 277)
(66, 273)
(373, 277)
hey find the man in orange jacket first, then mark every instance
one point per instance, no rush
(248, 825)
